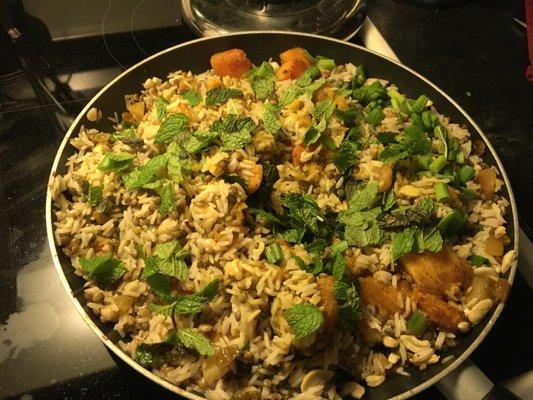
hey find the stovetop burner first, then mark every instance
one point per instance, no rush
(338, 18)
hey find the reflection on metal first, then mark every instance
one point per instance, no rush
(335, 18)
(115, 349)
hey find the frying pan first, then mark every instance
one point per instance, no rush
(259, 46)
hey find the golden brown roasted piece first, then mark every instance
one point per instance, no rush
(440, 313)
(294, 62)
(331, 308)
(231, 62)
(381, 295)
(438, 272)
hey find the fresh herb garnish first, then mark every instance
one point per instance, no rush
(270, 122)
(235, 132)
(193, 97)
(146, 176)
(170, 127)
(220, 95)
(262, 79)
(161, 108)
(194, 303)
(166, 199)
(349, 310)
(304, 319)
(179, 164)
(95, 195)
(196, 340)
(198, 141)
(236, 178)
(117, 162)
(413, 141)
(105, 270)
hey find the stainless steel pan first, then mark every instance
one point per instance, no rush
(259, 46)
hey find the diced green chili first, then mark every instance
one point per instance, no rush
(417, 324)
(273, 253)
(478, 261)
(465, 174)
(442, 193)
(437, 164)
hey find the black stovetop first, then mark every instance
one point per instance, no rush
(476, 52)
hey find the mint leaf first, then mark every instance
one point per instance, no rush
(198, 141)
(304, 319)
(146, 175)
(262, 79)
(160, 285)
(105, 270)
(124, 135)
(161, 108)
(403, 243)
(219, 95)
(179, 165)
(235, 140)
(166, 199)
(392, 153)
(324, 110)
(350, 303)
(291, 93)
(316, 266)
(193, 97)
(167, 259)
(194, 339)
(309, 75)
(235, 132)
(346, 156)
(432, 240)
(302, 210)
(317, 246)
(117, 162)
(94, 195)
(338, 267)
(150, 354)
(389, 200)
(270, 122)
(369, 235)
(194, 303)
(166, 309)
(375, 116)
(170, 127)
(362, 199)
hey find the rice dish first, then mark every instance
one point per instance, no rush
(253, 231)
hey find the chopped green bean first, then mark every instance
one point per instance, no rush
(453, 144)
(437, 164)
(465, 174)
(451, 155)
(460, 158)
(442, 192)
(273, 253)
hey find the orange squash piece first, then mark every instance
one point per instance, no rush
(232, 62)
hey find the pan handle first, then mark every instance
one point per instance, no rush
(468, 382)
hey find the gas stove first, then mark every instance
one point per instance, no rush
(69, 50)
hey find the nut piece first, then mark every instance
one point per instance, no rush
(94, 114)
(353, 389)
(315, 377)
(478, 312)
